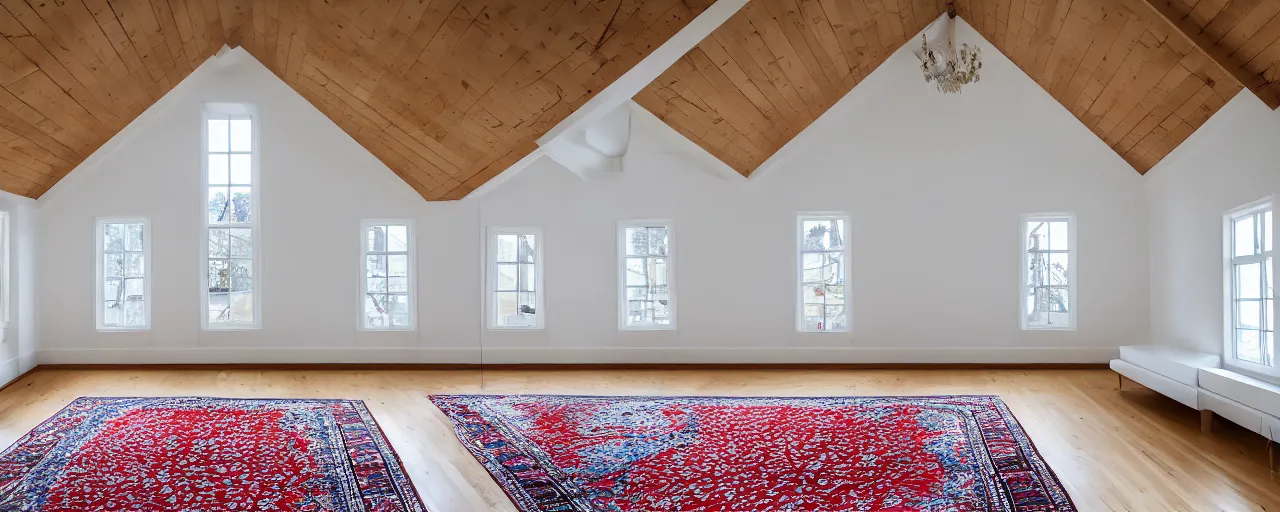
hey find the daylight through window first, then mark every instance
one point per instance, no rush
(1252, 323)
(387, 269)
(122, 274)
(1047, 274)
(647, 298)
(824, 255)
(231, 222)
(515, 280)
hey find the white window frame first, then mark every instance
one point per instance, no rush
(491, 278)
(798, 272)
(231, 111)
(5, 259)
(100, 252)
(1229, 295)
(410, 269)
(1072, 265)
(622, 274)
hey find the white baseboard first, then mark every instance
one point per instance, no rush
(797, 355)
(630, 355)
(260, 356)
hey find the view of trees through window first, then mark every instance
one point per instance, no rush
(123, 275)
(387, 287)
(1047, 277)
(230, 221)
(646, 285)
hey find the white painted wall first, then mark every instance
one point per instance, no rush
(934, 186)
(19, 338)
(1232, 160)
(316, 185)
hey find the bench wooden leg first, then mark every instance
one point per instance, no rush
(1273, 456)
(1206, 421)
(1119, 382)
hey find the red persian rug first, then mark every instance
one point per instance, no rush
(207, 454)
(596, 453)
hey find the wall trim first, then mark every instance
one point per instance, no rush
(574, 367)
(10, 372)
(880, 357)
(800, 355)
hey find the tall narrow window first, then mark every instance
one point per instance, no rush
(1251, 319)
(647, 300)
(6, 259)
(1048, 272)
(387, 268)
(515, 278)
(124, 286)
(824, 255)
(230, 199)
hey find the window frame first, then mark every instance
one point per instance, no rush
(622, 274)
(100, 252)
(491, 278)
(1073, 264)
(5, 261)
(1229, 260)
(231, 111)
(411, 271)
(798, 271)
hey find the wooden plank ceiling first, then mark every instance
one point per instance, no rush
(447, 93)
(1142, 76)
(774, 67)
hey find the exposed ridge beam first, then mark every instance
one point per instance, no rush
(573, 129)
(636, 78)
(1268, 92)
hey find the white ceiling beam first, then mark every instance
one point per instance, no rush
(573, 130)
(644, 73)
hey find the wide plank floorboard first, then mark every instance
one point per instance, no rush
(1132, 450)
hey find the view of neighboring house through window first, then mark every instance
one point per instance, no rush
(231, 220)
(824, 254)
(1251, 322)
(123, 283)
(1048, 301)
(647, 298)
(515, 278)
(387, 265)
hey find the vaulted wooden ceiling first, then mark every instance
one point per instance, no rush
(774, 67)
(1141, 74)
(447, 93)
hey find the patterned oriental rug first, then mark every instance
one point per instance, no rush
(597, 453)
(207, 454)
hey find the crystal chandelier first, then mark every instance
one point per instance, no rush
(945, 67)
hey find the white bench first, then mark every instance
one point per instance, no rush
(1197, 380)
(1170, 371)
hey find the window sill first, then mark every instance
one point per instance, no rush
(643, 328)
(232, 328)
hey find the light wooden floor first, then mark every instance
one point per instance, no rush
(1132, 450)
